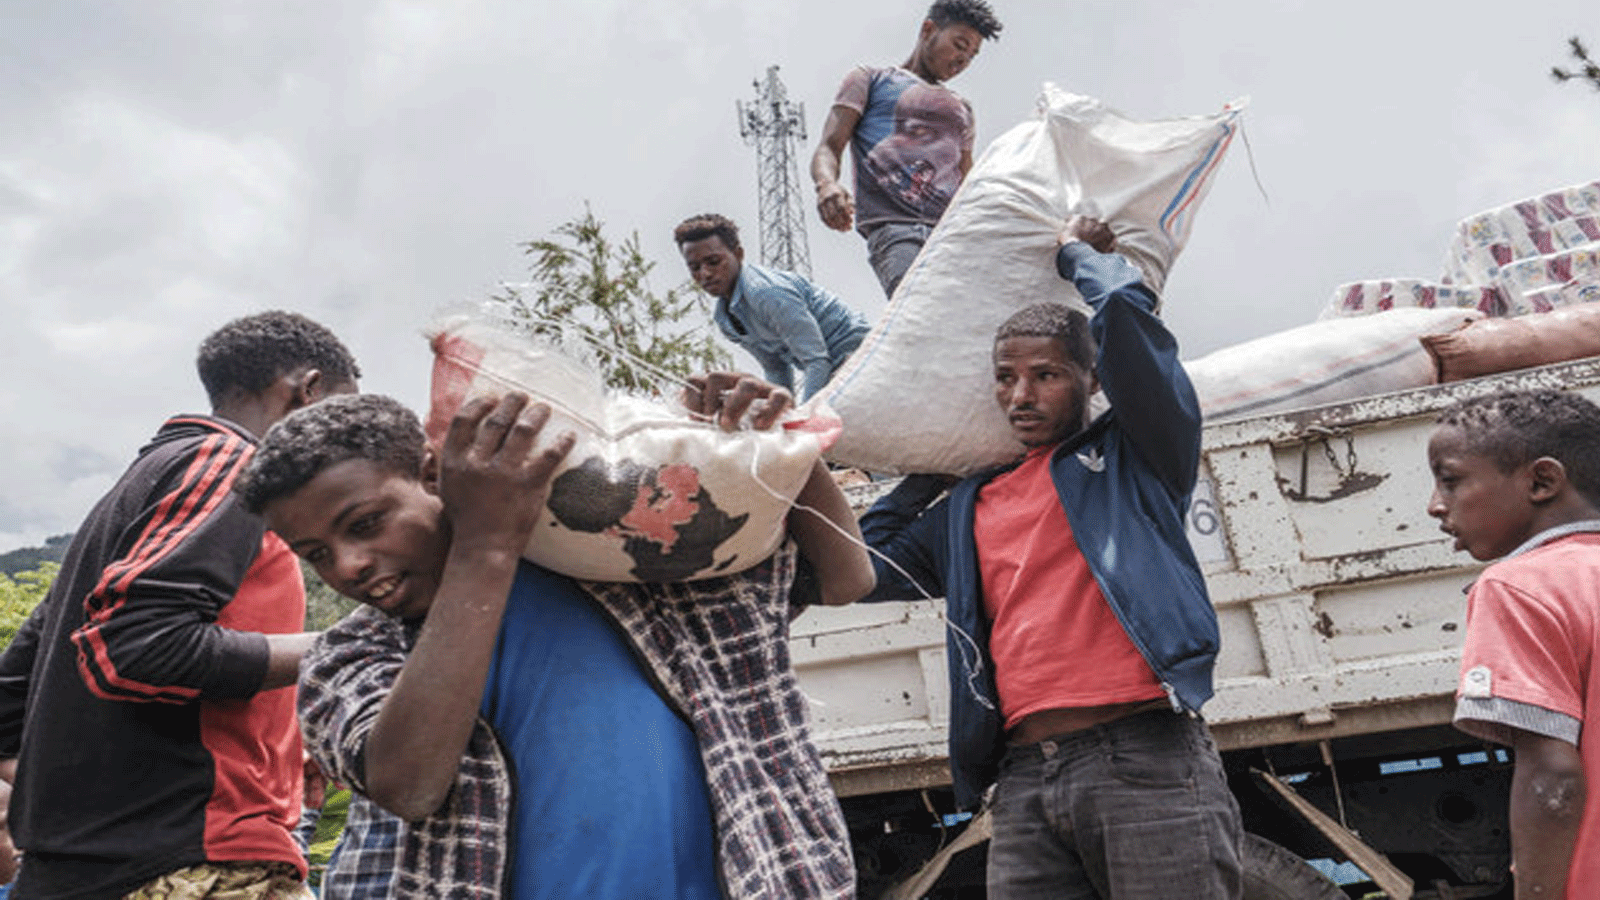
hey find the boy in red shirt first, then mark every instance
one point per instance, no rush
(1517, 478)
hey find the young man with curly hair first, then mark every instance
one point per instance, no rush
(539, 736)
(1517, 481)
(910, 139)
(780, 318)
(148, 702)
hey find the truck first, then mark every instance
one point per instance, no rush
(1342, 611)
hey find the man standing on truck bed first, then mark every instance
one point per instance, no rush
(910, 139)
(1068, 575)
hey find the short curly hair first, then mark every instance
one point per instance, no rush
(977, 14)
(1053, 320)
(698, 228)
(313, 438)
(245, 356)
(1513, 428)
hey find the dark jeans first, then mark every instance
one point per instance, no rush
(891, 249)
(1136, 809)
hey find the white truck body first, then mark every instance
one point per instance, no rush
(1340, 602)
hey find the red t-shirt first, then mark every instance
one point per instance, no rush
(1055, 641)
(1529, 663)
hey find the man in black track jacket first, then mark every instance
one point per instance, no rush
(148, 702)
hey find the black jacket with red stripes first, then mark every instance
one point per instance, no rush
(131, 697)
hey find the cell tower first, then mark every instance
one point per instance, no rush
(771, 123)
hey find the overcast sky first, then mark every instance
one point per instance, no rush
(167, 166)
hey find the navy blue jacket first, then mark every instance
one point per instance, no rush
(1124, 482)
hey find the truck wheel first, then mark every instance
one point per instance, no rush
(1273, 873)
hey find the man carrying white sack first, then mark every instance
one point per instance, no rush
(910, 139)
(545, 737)
(1095, 638)
(783, 320)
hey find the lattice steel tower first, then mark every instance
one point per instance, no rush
(772, 124)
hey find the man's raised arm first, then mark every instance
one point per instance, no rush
(1137, 357)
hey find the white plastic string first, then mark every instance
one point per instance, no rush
(599, 343)
(1250, 155)
(967, 646)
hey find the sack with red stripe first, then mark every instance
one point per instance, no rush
(993, 253)
(647, 493)
(1324, 362)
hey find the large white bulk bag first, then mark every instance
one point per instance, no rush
(647, 493)
(916, 397)
(1323, 362)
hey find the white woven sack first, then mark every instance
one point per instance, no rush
(647, 493)
(916, 396)
(1324, 362)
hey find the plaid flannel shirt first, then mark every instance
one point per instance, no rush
(363, 864)
(717, 650)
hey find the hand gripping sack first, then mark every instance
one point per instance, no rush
(916, 396)
(647, 493)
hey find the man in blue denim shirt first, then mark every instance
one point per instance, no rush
(1082, 639)
(783, 320)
